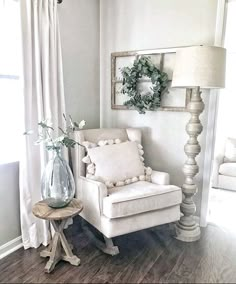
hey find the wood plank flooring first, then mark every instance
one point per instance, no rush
(148, 256)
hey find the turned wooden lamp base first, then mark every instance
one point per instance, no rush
(187, 234)
(187, 230)
(59, 248)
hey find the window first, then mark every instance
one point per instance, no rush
(222, 202)
(10, 84)
(226, 111)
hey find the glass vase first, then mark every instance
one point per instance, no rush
(57, 183)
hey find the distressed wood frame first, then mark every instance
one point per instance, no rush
(137, 54)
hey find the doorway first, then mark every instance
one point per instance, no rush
(222, 196)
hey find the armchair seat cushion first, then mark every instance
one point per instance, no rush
(140, 197)
(228, 169)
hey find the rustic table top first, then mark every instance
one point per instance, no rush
(43, 211)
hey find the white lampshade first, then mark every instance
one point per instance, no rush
(200, 66)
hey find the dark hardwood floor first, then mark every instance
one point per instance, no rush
(149, 256)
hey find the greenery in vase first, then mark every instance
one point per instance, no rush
(46, 134)
(143, 66)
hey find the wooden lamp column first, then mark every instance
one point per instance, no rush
(190, 169)
(195, 67)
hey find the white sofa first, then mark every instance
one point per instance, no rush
(133, 207)
(224, 167)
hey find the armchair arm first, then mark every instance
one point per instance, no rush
(91, 194)
(160, 178)
(215, 171)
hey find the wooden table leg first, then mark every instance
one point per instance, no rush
(46, 252)
(54, 250)
(69, 256)
(55, 255)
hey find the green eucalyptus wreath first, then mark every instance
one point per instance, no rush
(143, 67)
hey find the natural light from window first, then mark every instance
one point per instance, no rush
(10, 84)
(222, 209)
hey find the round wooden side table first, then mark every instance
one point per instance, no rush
(58, 249)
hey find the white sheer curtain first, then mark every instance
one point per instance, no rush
(43, 98)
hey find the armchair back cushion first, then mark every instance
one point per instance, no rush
(230, 150)
(96, 135)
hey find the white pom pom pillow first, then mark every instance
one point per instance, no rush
(116, 163)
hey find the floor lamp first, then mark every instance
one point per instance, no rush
(195, 67)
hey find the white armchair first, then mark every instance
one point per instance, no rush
(224, 167)
(132, 207)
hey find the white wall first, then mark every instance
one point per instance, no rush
(9, 203)
(137, 24)
(79, 25)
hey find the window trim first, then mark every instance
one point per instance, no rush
(10, 77)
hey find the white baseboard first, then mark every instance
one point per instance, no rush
(10, 247)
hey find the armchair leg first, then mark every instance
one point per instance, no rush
(109, 247)
(105, 246)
